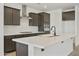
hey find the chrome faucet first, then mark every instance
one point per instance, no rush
(54, 30)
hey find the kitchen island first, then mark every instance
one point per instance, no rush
(46, 45)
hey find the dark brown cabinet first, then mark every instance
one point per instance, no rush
(11, 16)
(9, 45)
(7, 16)
(41, 23)
(46, 18)
(70, 15)
(16, 17)
(44, 21)
(34, 20)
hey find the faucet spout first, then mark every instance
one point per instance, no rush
(54, 30)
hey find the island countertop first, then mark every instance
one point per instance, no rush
(43, 41)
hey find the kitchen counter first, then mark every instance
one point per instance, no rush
(46, 42)
(20, 33)
(43, 41)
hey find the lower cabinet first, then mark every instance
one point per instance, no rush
(62, 48)
(21, 49)
(9, 45)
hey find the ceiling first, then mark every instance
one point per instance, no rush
(51, 6)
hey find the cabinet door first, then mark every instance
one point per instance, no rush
(9, 45)
(7, 16)
(47, 19)
(16, 17)
(46, 22)
(6, 44)
(70, 15)
(21, 49)
(35, 20)
(41, 22)
(41, 19)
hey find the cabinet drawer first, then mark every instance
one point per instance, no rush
(9, 45)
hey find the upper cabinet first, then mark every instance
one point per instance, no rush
(34, 20)
(44, 22)
(11, 16)
(7, 16)
(16, 17)
(69, 15)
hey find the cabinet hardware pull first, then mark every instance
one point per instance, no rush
(62, 41)
(42, 49)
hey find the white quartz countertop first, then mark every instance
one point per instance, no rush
(43, 41)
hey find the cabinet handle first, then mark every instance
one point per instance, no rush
(42, 49)
(62, 41)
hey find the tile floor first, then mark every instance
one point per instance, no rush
(11, 53)
(75, 52)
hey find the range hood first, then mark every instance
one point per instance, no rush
(24, 12)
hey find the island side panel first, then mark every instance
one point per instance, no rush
(21, 49)
(30, 50)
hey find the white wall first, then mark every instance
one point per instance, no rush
(68, 26)
(24, 24)
(56, 20)
(1, 30)
(77, 25)
(61, 26)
